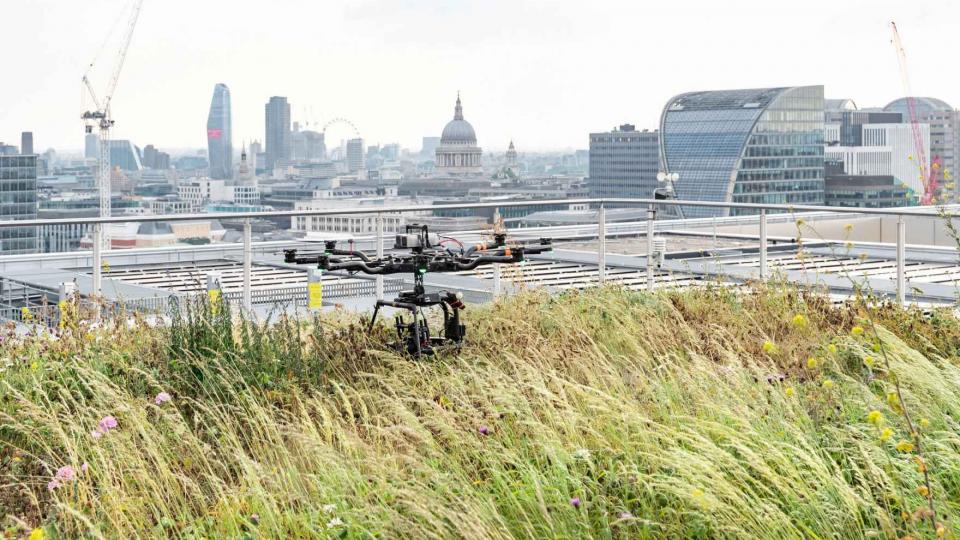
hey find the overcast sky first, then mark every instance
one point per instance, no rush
(544, 73)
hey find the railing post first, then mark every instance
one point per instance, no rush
(901, 257)
(763, 244)
(379, 279)
(497, 286)
(247, 266)
(651, 218)
(602, 248)
(97, 262)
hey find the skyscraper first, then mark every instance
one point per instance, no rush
(19, 193)
(219, 134)
(26, 143)
(623, 163)
(278, 131)
(355, 154)
(753, 146)
(91, 146)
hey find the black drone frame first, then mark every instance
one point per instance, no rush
(427, 254)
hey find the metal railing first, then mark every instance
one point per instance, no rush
(652, 205)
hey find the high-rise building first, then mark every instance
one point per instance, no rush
(278, 131)
(220, 134)
(428, 148)
(944, 123)
(26, 143)
(747, 146)
(18, 191)
(125, 155)
(257, 157)
(91, 146)
(623, 163)
(307, 145)
(354, 155)
(899, 138)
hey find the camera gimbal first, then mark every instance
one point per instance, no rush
(427, 254)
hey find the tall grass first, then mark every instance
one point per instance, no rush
(603, 414)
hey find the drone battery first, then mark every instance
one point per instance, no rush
(411, 241)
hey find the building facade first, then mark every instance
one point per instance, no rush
(458, 153)
(125, 155)
(91, 146)
(18, 201)
(220, 134)
(899, 138)
(944, 122)
(278, 131)
(624, 163)
(26, 143)
(862, 160)
(355, 155)
(751, 146)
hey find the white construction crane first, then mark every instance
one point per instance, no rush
(100, 117)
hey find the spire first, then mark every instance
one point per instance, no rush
(511, 145)
(458, 110)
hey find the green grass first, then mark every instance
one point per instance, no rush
(662, 414)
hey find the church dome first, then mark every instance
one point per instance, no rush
(458, 131)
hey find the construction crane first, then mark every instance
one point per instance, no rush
(101, 118)
(928, 177)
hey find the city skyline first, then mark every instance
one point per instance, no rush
(520, 65)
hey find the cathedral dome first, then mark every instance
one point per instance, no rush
(458, 131)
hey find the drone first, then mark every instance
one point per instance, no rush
(421, 252)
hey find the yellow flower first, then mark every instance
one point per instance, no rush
(34, 365)
(856, 330)
(904, 446)
(37, 534)
(801, 223)
(941, 531)
(769, 347)
(828, 384)
(848, 227)
(875, 417)
(697, 493)
(875, 347)
(923, 491)
(886, 434)
(812, 363)
(892, 399)
(832, 348)
(789, 391)
(924, 423)
(799, 320)
(868, 360)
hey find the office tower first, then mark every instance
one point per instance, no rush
(91, 146)
(900, 139)
(354, 155)
(428, 149)
(125, 155)
(944, 122)
(623, 163)
(150, 156)
(220, 134)
(278, 131)
(307, 146)
(747, 146)
(26, 143)
(19, 193)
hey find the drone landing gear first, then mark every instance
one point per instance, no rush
(414, 337)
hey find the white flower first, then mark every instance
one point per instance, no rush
(328, 508)
(581, 453)
(335, 522)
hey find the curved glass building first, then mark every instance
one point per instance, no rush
(752, 146)
(220, 134)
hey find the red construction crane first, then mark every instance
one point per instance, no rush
(927, 177)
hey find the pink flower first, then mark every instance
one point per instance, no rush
(65, 474)
(96, 434)
(484, 430)
(575, 502)
(53, 484)
(107, 423)
(84, 467)
(162, 398)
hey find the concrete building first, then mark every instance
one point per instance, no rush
(862, 160)
(26, 143)
(18, 200)
(623, 163)
(278, 131)
(753, 146)
(91, 146)
(899, 138)
(220, 134)
(944, 122)
(355, 155)
(458, 153)
(200, 191)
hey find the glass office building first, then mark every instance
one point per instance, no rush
(624, 163)
(220, 134)
(18, 200)
(749, 146)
